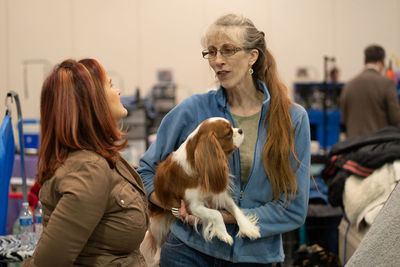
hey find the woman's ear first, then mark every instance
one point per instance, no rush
(253, 57)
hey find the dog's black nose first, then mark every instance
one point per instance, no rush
(240, 131)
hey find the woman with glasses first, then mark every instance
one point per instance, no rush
(271, 169)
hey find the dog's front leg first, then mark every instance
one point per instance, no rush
(211, 219)
(247, 224)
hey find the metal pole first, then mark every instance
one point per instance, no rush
(21, 143)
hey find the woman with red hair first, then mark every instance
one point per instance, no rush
(94, 206)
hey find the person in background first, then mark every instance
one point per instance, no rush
(94, 205)
(369, 102)
(270, 171)
(334, 75)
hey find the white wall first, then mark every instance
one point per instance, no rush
(135, 38)
(3, 55)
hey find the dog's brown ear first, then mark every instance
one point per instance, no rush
(211, 164)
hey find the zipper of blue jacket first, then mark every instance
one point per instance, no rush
(242, 188)
(237, 162)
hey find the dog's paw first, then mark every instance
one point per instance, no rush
(217, 230)
(253, 219)
(249, 228)
(225, 237)
(253, 232)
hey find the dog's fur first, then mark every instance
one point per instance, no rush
(198, 172)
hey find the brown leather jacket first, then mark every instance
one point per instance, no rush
(92, 215)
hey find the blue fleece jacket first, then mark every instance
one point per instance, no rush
(256, 196)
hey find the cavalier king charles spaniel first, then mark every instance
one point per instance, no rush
(198, 173)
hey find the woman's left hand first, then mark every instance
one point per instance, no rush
(184, 214)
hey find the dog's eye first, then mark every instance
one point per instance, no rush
(229, 134)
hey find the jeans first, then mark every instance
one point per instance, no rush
(175, 253)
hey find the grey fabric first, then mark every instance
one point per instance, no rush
(380, 246)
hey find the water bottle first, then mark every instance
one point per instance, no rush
(38, 221)
(26, 225)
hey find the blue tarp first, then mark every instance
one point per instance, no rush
(7, 151)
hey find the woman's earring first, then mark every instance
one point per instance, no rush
(251, 71)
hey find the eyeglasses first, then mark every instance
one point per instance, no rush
(226, 50)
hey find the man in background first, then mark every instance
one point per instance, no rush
(369, 101)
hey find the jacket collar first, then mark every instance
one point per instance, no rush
(126, 171)
(221, 95)
(370, 66)
(371, 70)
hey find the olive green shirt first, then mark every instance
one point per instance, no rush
(249, 125)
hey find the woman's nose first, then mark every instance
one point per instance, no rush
(219, 59)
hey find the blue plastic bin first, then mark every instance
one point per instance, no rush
(31, 135)
(316, 118)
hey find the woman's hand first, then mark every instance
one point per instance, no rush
(184, 214)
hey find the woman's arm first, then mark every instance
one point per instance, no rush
(185, 215)
(174, 128)
(276, 217)
(82, 205)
